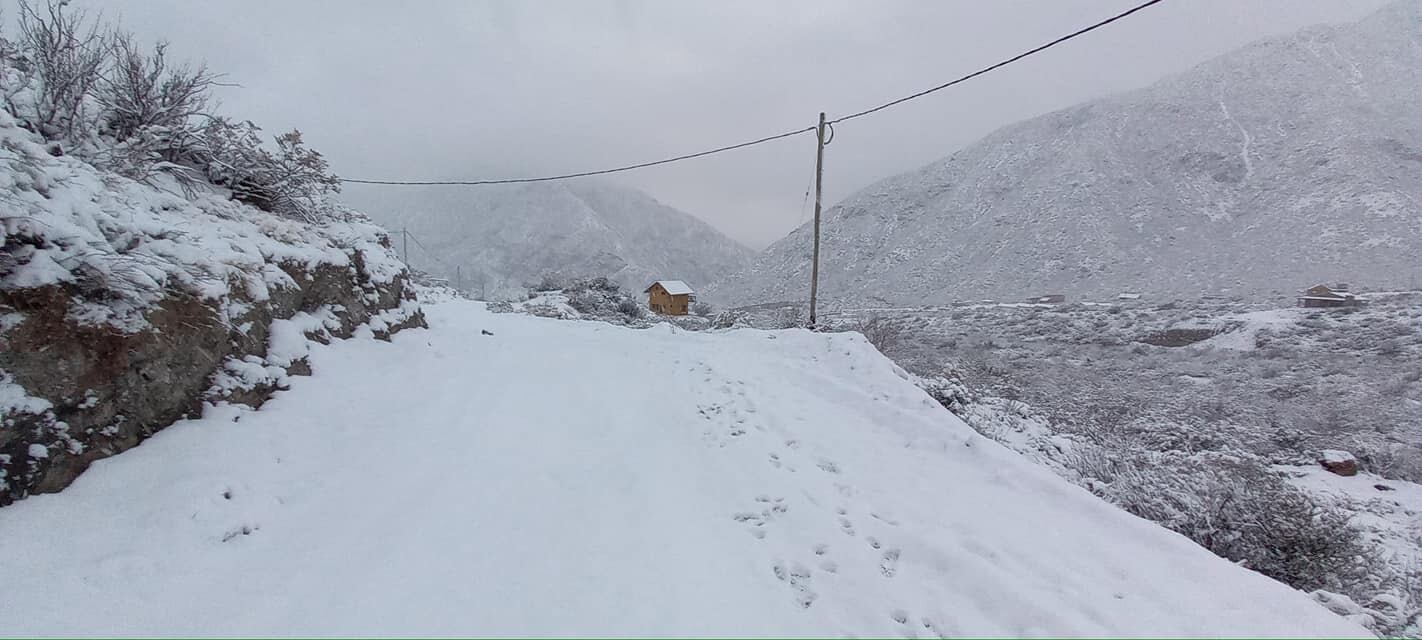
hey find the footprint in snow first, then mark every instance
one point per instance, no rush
(798, 576)
(828, 466)
(885, 519)
(244, 530)
(889, 563)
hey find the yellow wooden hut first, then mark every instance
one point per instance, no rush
(670, 297)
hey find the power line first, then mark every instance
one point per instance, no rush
(778, 136)
(427, 251)
(565, 176)
(1004, 63)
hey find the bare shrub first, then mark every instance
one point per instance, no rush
(145, 90)
(583, 302)
(549, 282)
(67, 51)
(629, 307)
(789, 318)
(702, 309)
(886, 335)
(1241, 512)
(152, 107)
(1394, 461)
(728, 319)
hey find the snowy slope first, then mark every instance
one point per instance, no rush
(1288, 162)
(741, 483)
(505, 237)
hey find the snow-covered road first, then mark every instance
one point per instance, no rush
(565, 478)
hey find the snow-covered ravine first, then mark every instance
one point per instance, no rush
(575, 478)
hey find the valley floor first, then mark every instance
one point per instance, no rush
(576, 478)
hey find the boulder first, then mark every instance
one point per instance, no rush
(1339, 462)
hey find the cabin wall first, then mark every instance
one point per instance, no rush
(659, 301)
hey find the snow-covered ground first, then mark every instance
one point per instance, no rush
(567, 478)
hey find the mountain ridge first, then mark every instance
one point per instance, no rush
(1244, 175)
(498, 239)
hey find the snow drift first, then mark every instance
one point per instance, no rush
(564, 478)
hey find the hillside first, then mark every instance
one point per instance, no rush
(506, 237)
(1287, 162)
(731, 483)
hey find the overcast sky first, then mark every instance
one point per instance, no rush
(464, 89)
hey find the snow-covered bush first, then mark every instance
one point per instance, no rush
(1190, 435)
(91, 91)
(549, 282)
(886, 335)
(65, 52)
(789, 318)
(294, 181)
(1239, 510)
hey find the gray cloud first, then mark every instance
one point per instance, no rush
(459, 89)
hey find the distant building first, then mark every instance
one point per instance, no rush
(670, 297)
(1322, 295)
(1053, 298)
(1129, 296)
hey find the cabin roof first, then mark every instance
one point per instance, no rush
(673, 287)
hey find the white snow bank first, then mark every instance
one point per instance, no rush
(562, 478)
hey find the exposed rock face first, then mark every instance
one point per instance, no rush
(1339, 462)
(109, 390)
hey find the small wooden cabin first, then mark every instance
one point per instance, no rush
(1321, 295)
(670, 297)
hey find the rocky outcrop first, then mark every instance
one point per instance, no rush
(1339, 462)
(107, 389)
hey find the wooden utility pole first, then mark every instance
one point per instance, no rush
(459, 278)
(819, 177)
(405, 246)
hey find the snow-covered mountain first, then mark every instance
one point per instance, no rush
(742, 483)
(507, 236)
(1287, 162)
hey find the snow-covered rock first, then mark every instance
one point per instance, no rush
(1338, 462)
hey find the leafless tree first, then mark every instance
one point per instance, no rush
(68, 52)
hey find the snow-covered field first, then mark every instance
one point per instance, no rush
(571, 478)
